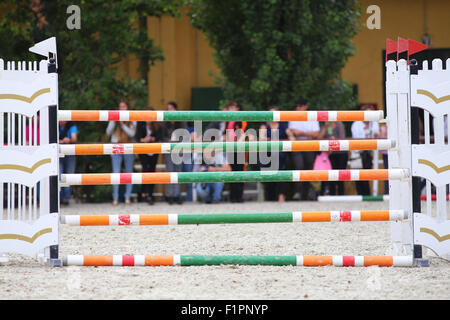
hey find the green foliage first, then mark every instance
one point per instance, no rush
(271, 52)
(89, 58)
(112, 33)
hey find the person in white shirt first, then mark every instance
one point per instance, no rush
(303, 130)
(365, 130)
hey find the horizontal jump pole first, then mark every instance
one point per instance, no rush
(232, 176)
(218, 218)
(207, 260)
(187, 147)
(354, 198)
(257, 116)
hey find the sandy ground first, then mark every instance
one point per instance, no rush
(23, 278)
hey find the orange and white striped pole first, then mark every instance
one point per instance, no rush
(119, 148)
(218, 218)
(233, 176)
(203, 260)
(182, 115)
(281, 146)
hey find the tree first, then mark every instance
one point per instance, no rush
(271, 52)
(89, 58)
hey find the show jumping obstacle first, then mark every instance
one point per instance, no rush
(29, 92)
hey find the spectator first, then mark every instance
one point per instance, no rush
(68, 133)
(303, 130)
(235, 132)
(273, 131)
(218, 125)
(365, 130)
(338, 159)
(188, 164)
(212, 161)
(173, 190)
(215, 131)
(148, 132)
(122, 132)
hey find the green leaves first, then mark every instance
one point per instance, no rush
(271, 52)
(92, 59)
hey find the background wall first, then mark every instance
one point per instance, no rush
(189, 62)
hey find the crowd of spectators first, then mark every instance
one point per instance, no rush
(154, 132)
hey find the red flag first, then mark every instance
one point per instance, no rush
(402, 45)
(415, 47)
(391, 47)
